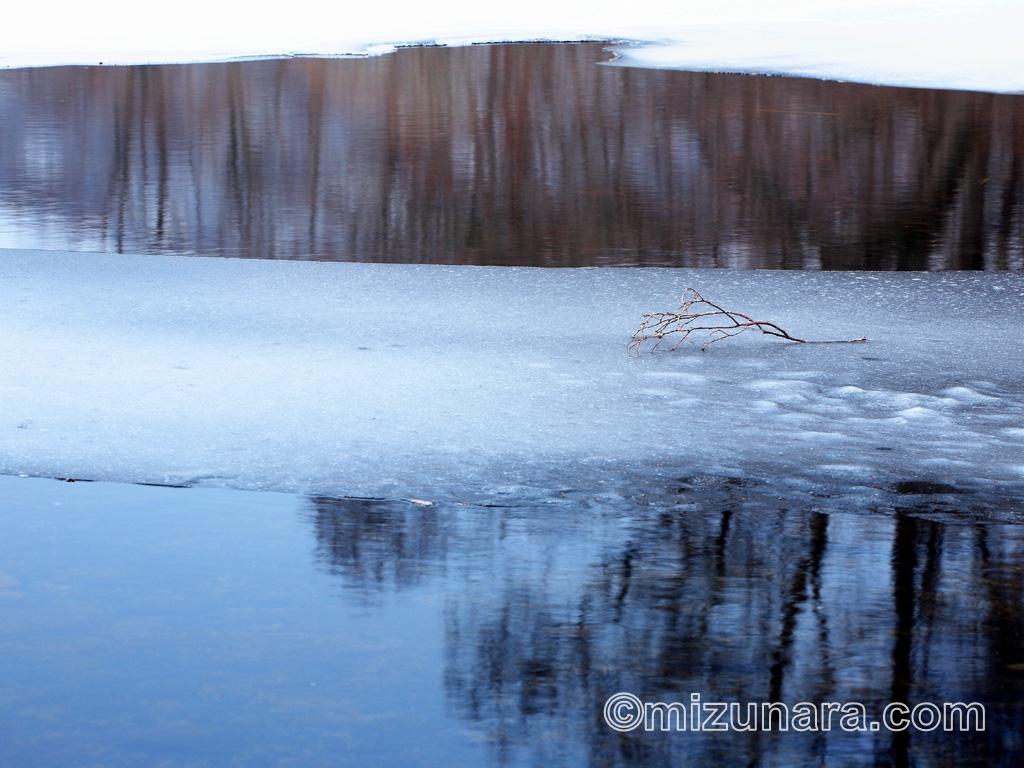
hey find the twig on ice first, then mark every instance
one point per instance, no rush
(699, 314)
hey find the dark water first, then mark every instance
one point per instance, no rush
(157, 626)
(509, 155)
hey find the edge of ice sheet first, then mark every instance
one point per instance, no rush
(933, 44)
(953, 52)
(482, 383)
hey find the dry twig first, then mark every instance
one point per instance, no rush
(699, 314)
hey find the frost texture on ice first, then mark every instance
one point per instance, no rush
(924, 43)
(478, 383)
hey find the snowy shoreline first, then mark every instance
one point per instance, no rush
(478, 384)
(951, 44)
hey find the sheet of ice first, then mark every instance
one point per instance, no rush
(968, 44)
(974, 49)
(475, 383)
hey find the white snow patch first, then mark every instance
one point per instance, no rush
(922, 413)
(968, 395)
(848, 390)
(926, 43)
(969, 46)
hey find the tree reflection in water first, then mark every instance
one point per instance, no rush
(551, 610)
(510, 155)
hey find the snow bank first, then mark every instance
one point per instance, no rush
(476, 383)
(975, 48)
(930, 43)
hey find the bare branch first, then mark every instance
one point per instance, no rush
(699, 314)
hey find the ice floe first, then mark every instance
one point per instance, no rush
(478, 383)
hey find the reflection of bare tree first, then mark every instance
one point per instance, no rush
(379, 544)
(806, 574)
(528, 154)
(721, 596)
(997, 573)
(904, 558)
(663, 622)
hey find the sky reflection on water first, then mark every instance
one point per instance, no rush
(528, 154)
(151, 624)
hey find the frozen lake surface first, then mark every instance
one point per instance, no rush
(182, 627)
(495, 518)
(483, 384)
(922, 43)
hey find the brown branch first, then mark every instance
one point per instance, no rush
(699, 314)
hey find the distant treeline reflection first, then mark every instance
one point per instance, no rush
(509, 155)
(736, 603)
